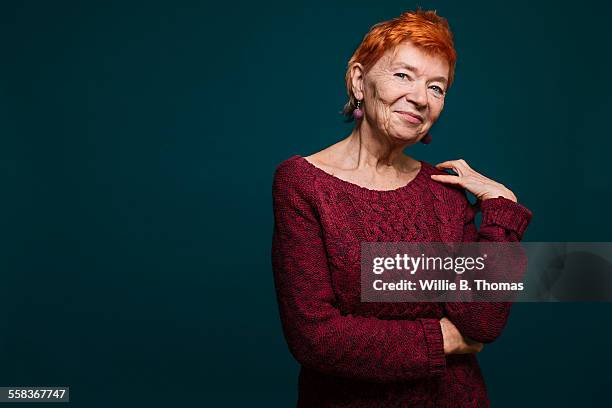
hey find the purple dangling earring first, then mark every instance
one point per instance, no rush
(358, 113)
(426, 139)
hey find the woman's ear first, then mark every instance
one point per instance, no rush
(357, 75)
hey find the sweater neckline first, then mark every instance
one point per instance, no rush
(416, 184)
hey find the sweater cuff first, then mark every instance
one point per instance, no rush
(435, 345)
(505, 213)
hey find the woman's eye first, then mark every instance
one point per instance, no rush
(437, 89)
(402, 75)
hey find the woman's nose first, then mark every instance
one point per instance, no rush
(418, 95)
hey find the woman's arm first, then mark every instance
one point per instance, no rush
(318, 335)
(503, 220)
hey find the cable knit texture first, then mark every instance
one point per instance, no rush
(355, 354)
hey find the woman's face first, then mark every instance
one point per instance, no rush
(403, 93)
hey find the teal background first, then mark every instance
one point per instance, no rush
(138, 143)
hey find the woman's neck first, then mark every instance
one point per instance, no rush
(367, 149)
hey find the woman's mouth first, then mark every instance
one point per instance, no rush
(411, 117)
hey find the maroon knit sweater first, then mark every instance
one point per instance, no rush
(355, 354)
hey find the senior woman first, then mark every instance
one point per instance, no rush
(365, 189)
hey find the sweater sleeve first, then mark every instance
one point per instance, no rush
(318, 335)
(503, 220)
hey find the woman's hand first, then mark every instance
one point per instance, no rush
(482, 187)
(455, 342)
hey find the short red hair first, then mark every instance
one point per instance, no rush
(425, 29)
